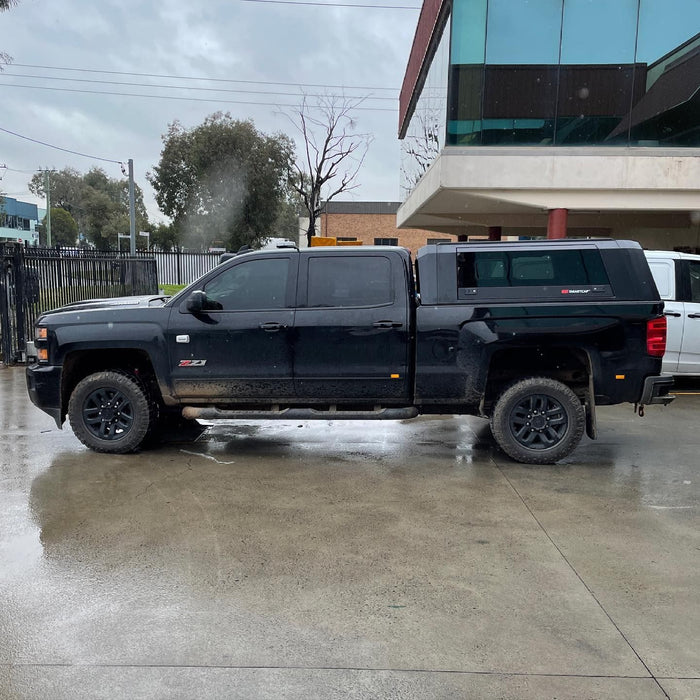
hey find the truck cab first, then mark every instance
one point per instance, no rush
(279, 326)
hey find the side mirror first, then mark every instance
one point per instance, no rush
(196, 302)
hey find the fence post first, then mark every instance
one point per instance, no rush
(5, 325)
(20, 297)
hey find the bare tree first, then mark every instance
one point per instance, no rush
(421, 146)
(5, 5)
(333, 152)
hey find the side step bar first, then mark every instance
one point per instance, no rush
(207, 413)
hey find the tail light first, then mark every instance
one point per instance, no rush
(656, 336)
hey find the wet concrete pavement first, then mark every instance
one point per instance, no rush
(350, 560)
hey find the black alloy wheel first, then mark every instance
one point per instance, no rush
(538, 422)
(108, 414)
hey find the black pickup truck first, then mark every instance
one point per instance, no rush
(531, 335)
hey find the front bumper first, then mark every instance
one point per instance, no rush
(656, 390)
(44, 387)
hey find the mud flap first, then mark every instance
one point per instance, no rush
(591, 426)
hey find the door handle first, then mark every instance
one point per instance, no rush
(387, 324)
(272, 326)
(675, 314)
(693, 315)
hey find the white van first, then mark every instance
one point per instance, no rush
(677, 277)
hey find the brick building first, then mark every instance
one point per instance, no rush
(373, 223)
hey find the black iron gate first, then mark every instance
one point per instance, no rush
(34, 280)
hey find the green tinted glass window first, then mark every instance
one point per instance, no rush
(530, 268)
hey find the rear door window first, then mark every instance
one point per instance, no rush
(349, 281)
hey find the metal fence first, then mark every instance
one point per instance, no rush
(33, 280)
(179, 267)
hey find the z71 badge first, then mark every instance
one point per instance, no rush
(192, 363)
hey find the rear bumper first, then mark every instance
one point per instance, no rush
(44, 387)
(656, 390)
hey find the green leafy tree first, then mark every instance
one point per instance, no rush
(99, 204)
(64, 230)
(287, 223)
(164, 237)
(222, 181)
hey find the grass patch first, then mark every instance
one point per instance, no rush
(172, 289)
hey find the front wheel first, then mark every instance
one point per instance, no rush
(110, 412)
(538, 420)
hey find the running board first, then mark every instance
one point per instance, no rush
(207, 413)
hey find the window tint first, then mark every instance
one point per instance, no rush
(530, 268)
(349, 281)
(559, 73)
(694, 269)
(254, 284)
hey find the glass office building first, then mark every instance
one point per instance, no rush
(622, 75)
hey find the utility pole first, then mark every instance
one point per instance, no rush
(47, 187)
(132, 209)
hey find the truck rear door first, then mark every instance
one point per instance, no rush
(351, 328)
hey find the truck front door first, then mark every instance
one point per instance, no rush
(238, 348)
(352, 328)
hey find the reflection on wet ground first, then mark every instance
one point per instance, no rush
(357, 559)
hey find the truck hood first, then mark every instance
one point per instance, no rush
(92, 304)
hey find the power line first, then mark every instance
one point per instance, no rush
(203, 78)
(336, 4)
(174, 97)
(58, 148)
(14, 170)
(178, 87)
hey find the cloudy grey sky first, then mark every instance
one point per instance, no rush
(271, 48)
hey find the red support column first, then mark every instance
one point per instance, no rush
(556, 225)
(494, 233)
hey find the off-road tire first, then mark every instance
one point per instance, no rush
(110, 411)
(538, 420)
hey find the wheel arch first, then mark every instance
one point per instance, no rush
(569, 365)
(80, 363)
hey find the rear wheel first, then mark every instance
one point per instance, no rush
(538, 420)
(110, 411)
